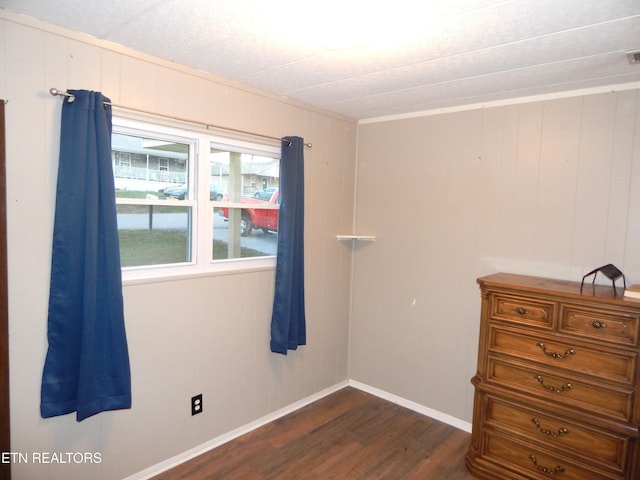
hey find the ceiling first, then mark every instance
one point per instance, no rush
(412, 55)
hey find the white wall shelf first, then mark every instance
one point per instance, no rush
(365, 238)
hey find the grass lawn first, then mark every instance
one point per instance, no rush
(159, 247)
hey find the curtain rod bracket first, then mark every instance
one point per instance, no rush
(55, 92)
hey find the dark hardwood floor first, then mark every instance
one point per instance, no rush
(349, 434)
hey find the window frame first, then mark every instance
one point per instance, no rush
(202, 207)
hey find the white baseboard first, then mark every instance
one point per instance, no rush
(416, 407)
(227, 437)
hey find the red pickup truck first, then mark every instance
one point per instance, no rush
(255, 217)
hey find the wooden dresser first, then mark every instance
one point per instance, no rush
(556, 392)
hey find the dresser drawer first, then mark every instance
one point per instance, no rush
(578, 440)
(616, 365)
(533, 462)
(522, 310)
(574, 392)
(607, 325)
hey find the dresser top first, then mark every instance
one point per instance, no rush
(566, 288)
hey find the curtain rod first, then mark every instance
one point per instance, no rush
(55, 92)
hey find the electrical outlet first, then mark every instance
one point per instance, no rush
(196, 404)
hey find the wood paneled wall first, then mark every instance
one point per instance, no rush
(199, 334)
(548, 188)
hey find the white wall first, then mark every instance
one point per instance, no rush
(208, 335)
(548, 188)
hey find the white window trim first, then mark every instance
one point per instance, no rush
(202, 208)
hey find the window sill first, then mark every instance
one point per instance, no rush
(147, 276)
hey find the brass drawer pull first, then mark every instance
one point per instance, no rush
(568, 352)
(549, 433)
(566, 387)
(597, 324)
(521, 311)
(545, 470)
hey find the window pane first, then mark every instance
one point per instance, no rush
(251, 179)
(154, 234)
(243, 174)
(145, 167)
(230, 238)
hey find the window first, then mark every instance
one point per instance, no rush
(190, 202)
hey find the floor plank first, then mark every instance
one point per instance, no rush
(349, 434)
